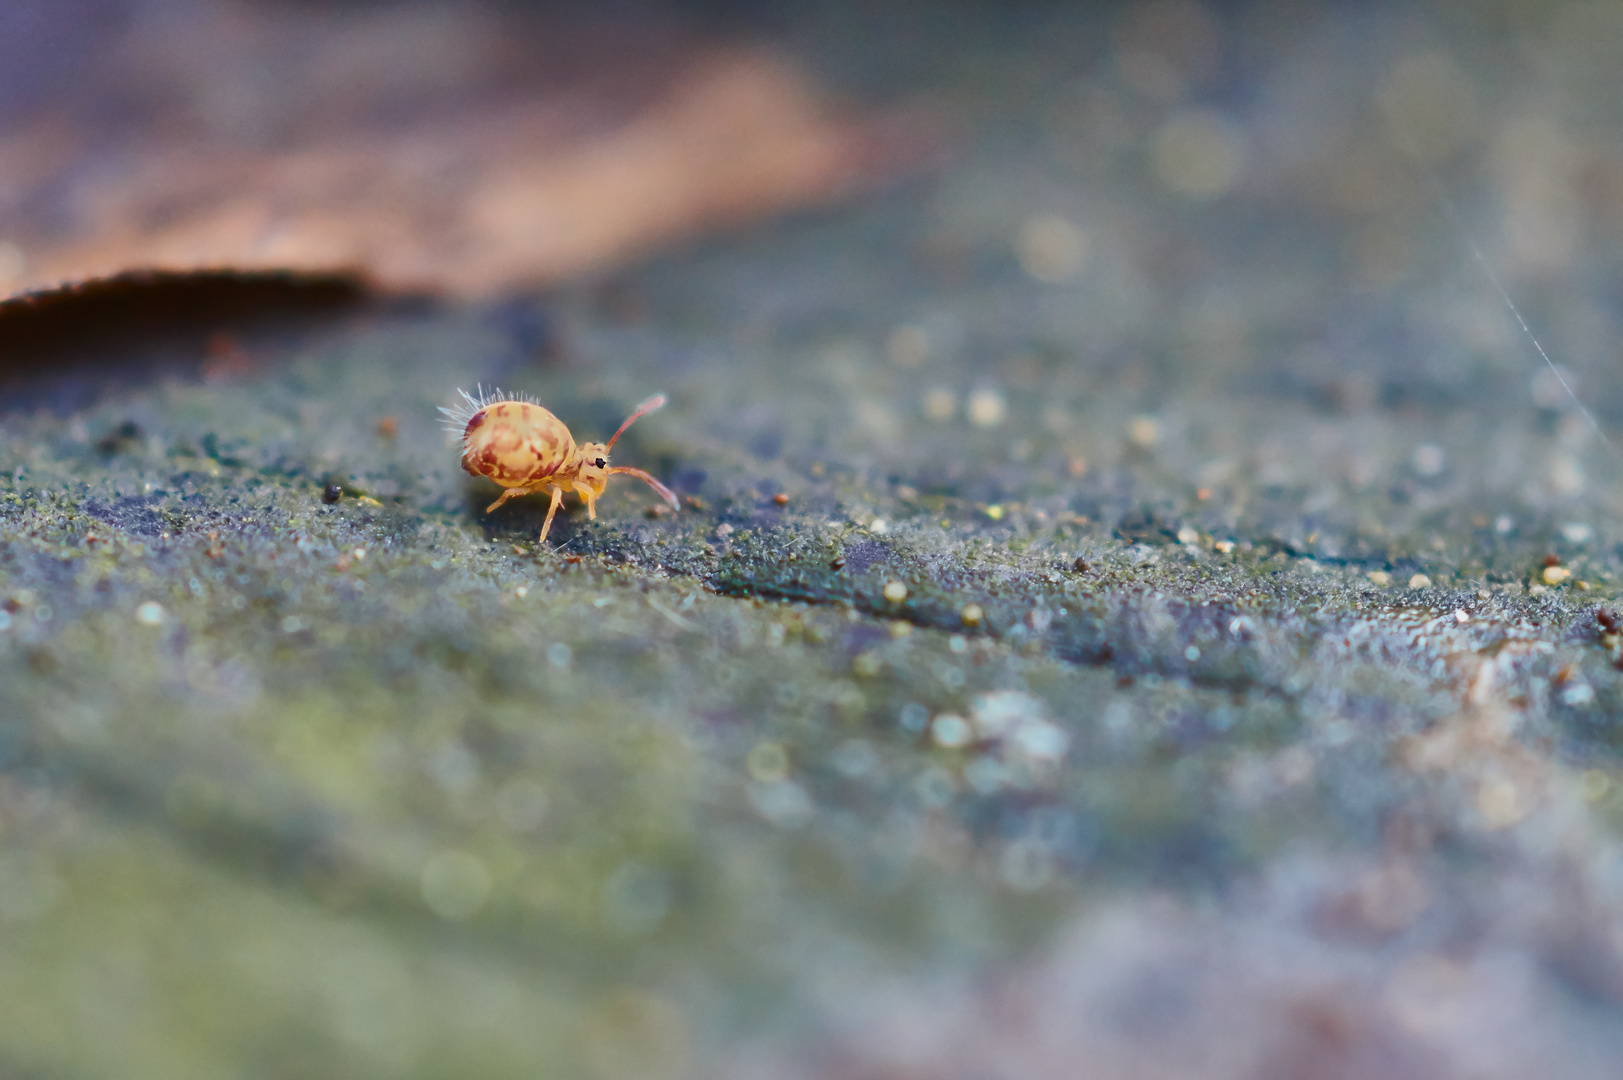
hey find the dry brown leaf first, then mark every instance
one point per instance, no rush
(472, 177)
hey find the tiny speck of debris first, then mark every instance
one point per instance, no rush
(518, 551)
(768, 763)
(656, 510)
(1081, 564)
(1051, 248)
(1581, 694)
(781, 498)
(696, 503)
(1419, 581)
(951, 731)
(149, 613)
(332, 493)
(1461, 616)
(388, 427)
(940, 404)
(114, 441)
(522, 591)
(972, 614)
(837, 563)
(1223, 547)
(986, 407)
(1427, 460)
(1552, 560)
(1144, 431)
(1575, 532)
(900, 628)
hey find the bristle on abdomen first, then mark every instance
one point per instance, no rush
(459, 413)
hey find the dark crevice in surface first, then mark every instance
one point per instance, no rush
(60, 345)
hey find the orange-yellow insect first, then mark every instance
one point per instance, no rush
(526, 449)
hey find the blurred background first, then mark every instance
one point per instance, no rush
(1126, 156)
(370, 787)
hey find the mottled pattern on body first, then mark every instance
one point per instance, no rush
(516, 444)
(526, 449)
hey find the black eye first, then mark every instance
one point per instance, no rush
(601, 463)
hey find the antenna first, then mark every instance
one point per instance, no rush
(655, 402)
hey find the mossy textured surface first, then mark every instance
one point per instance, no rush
(1119, 594)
